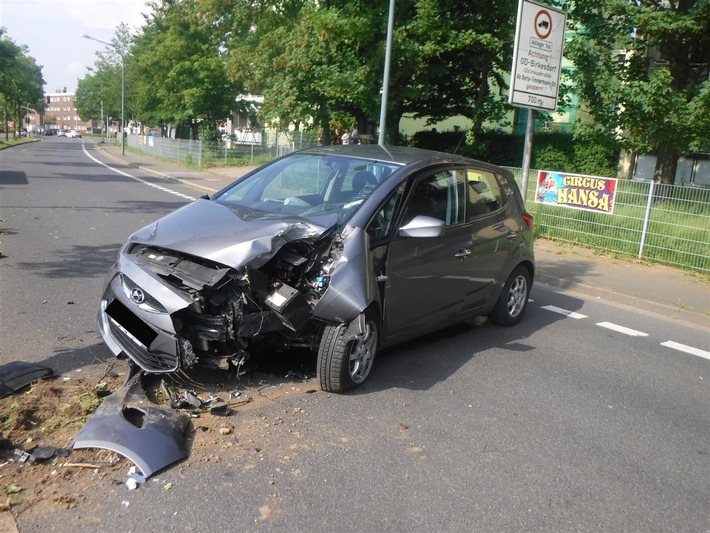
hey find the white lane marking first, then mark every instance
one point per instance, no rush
(686, 349)
(155, 186)
(565, 312)
(622, 329)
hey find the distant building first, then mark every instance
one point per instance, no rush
(60, 113)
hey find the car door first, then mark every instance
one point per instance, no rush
(429, 279)
(493, 234)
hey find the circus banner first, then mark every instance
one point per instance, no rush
(590, 193)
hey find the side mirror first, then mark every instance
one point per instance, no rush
(423, 226)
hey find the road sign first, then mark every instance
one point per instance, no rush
(537, 60)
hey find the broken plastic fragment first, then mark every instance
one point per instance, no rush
(184, 400)
(17, 375)
(219, 409)
(23, 456)
(42, 453)
(137, 477)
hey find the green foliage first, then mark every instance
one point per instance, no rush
(641, 69)
(551, 151)
(699, 119)
(309, 62)
(445, 141)
(312, 60)
(553, 155)
(595, 159)
(209, 133)
(452, 58)
(20, 80)
(176, 69)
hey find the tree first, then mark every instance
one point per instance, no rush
(21, 81)
(310, 60)
(452, 58)
(315, 59)
(642, 71)
(98, 95)
(178, 67)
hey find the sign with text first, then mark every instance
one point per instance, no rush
(590, 193)
(537, 59)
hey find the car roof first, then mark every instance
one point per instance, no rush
(402, 155)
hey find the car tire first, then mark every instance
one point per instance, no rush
(343, 365)
(513, 299)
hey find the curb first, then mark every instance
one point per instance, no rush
(161, 175)
(634, 303)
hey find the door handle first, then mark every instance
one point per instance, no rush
(463, 253)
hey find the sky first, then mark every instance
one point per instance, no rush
(51, 29)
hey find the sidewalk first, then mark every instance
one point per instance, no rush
(668, 291)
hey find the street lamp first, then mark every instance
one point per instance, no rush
(123, 87)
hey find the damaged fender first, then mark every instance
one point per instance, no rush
(129, 424)
(351, 288)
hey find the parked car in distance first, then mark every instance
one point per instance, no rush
(74, 134)
(62, 133)
(344, 250)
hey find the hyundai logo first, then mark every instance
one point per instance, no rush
(137, 296)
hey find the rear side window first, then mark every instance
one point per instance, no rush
(441, 195)
(484, 193)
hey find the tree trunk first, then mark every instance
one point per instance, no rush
(666, 164)
(324, 121)
(394, 116)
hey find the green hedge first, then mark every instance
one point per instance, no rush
(551, 151)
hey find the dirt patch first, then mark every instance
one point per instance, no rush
(44, 419)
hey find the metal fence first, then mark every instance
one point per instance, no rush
(243, 149)
(667, 224)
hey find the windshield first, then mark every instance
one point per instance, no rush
(309, 185)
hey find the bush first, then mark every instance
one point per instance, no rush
(551, 151)
(445, 141)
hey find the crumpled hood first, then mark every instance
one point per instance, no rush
(230, 236)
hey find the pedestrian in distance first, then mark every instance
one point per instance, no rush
(354, 135)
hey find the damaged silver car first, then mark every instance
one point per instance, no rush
(341, 250)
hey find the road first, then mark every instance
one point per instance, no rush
(587, 416)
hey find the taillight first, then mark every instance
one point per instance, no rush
(529, 219)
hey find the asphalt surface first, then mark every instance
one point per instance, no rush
(652, 288)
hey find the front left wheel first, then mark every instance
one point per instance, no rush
(343, 365)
